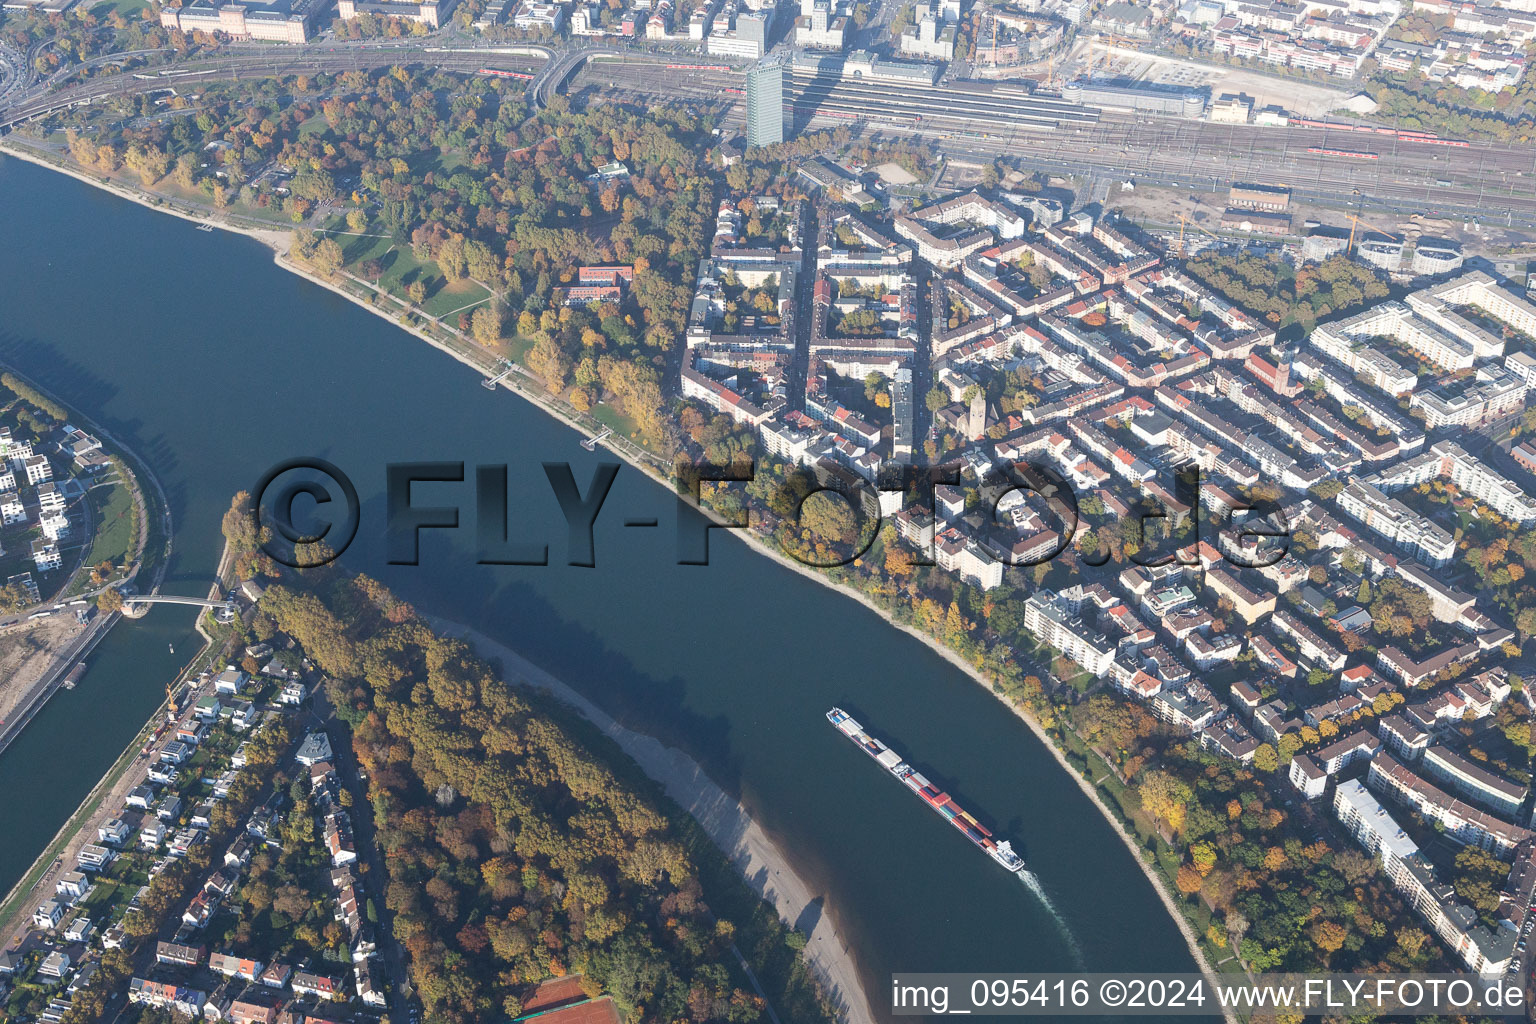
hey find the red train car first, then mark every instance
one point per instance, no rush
(1352, 154)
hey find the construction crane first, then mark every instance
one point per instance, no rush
(1183, 220)
(1354, 225)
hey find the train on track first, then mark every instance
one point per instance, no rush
(1406, 135)
(1351, 154)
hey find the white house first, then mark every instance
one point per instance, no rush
(316, 748)
(38, 469)
(54, 965)
(95, 858)
(46, 555)
(12, 511)
(152, 834)
(48, 914)
(229, 681)
(115, 832)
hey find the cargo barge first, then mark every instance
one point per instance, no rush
(999, 850)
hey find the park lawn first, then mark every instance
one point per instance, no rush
(314, 126)
(1072, 674)
(271, 214)
(517, 348)
(115, 524)
(610, 417)
(1082, 682)
(402, 268)
(358, 249)
(1168, 861)
(454, 298)
(446, 162)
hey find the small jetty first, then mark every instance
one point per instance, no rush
(591, 443)
(493, 382)
(205, 227)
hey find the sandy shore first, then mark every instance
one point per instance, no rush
(763, 864)
(278, 241)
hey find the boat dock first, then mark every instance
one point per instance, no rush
(492, 382)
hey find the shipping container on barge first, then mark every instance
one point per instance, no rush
(942, 803)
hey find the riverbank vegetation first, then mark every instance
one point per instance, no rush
(459, 199)
(521, 845)
(1261, 881)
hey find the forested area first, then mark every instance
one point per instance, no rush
(521, 845)
(465, 182)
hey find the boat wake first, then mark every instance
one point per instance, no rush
(1000, 850)
(1032, 883)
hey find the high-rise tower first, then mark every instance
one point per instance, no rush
(765, 103)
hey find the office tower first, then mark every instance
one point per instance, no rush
(765, 104)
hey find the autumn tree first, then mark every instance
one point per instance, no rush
(486, 324)
(1165, 797)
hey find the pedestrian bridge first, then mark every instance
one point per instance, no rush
(137, 605)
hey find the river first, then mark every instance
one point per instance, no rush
(214, 364)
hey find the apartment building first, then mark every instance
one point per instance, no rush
(1053, 622)
(1308, 644)
(1473, 781)
(1449, 461)
(1403, 737)
(1493, 393)
(1483, 949)
(1396, 523)
(1461, 821)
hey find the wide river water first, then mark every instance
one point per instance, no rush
(214, 364)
